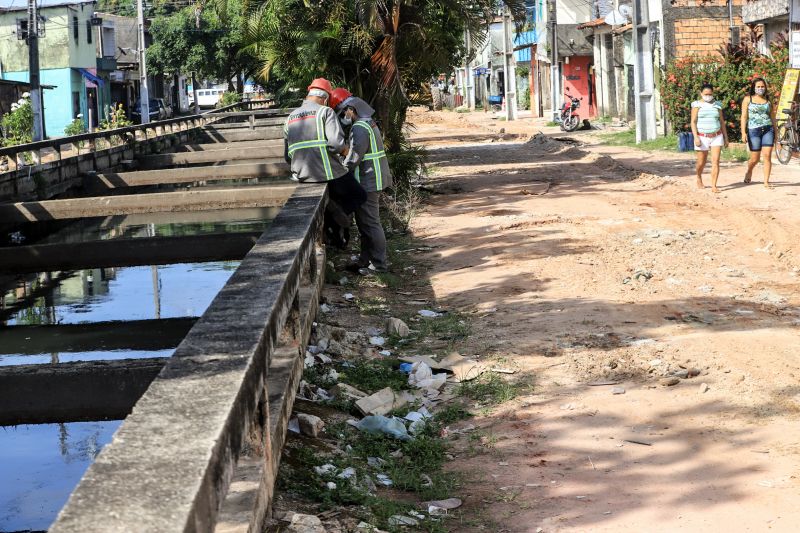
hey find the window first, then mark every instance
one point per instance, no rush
(75, 29)
(89, 31)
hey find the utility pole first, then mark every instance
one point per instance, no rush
(555, 96)
(144, 93)
(33, 70)
(509, 76)
(469, 82)
(644, 83)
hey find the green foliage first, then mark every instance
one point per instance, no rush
(731, 73)
(116, 119)
(628, 138)
(75, 127)
(18, 123)
(490, 388)
(372, 376)
(229, 98)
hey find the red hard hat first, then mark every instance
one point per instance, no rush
(338, 96)
(321, 84)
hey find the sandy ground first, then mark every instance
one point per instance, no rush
(586, 264)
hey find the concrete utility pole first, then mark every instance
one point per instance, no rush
(33, 70)
(794, 33)
(509, 76)
(644, 100)
(555, 90)
(144, 93)
(469, 82)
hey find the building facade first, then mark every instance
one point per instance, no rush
(76, 57)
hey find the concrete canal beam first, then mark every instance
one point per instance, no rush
(255, 145)
(101, 206)
(127, 252)
(261, 169)
(156, 334)
(276, 123)
(170, 464)
(73, 392)
(270, 154)
(213, 135)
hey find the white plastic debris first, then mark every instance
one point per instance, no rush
(331, 485)
(347, 473)
(423, 377)
(294, 425)
(377, 341)
(324, 469)
(400, 520)
(348, 296)
(375, 461)
(309, 361)
(325, 308)
(384, 480)
(427, 313)
(385, 353)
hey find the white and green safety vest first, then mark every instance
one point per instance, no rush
(367, 151)
(311, 133)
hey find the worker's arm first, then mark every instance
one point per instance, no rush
(286, 143)
(333, 131)
(359, 145)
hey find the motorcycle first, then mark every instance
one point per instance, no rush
(569, 117)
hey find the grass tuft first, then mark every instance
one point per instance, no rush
(489, 388)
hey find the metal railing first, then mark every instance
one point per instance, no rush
(20, 156)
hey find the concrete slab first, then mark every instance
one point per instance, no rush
(100, 206)
(47, 394)
(108, 180)
(65, 338)
(229, 154)
(256, 145)
(127, 252)
(210, 134)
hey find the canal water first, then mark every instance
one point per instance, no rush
(96, 314)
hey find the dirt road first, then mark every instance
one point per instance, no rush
(598, 283)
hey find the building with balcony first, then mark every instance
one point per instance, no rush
(76, 58)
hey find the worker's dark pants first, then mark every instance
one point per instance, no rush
(373, 240)
(345, 195)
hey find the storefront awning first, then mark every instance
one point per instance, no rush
(91, 77)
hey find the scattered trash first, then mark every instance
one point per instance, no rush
(385, 353)
(348, 296)
(331, 485)
(396, 327)
(377, 341)
(382, 402)
(393, 427)
(310, 425)
(294, 425)
(384, 480)
(463, 369)
(618, 390)
(324, 359)
(641, 442)
(400, 520)
(426, 313)
(502, 463)
(655, 362)
(417, 419)
(423, 377)
(642, 275)
(704, 388)
(427, 479)
(347, 473)
(332, 375)
(309, 361)
(406, 367)
(343, 280)
(343, 390)
(325, 469)
(304, 523)
(602, 383)
(500, 370)
(439, 507)
(375, 462)
(324, 308)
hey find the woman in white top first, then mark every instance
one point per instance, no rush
(710, 134)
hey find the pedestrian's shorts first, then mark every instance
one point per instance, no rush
(757, 138)
(707, 142)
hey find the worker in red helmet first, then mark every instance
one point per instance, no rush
(313, 144)
(367, 159)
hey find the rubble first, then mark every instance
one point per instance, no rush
(304, 523)
(396, 327)
(310, 425)
(382, 402)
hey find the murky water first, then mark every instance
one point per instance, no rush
(40, 466)
(95, 314)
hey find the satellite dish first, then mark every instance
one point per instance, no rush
(615, 18)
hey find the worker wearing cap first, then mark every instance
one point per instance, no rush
(367, 159)
(313, 143)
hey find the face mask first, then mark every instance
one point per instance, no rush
(760, 91)
(708, 98)
(346, 121)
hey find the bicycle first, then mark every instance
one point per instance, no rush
(788, 135)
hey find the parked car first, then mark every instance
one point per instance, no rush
(208, 97)
(159, 110)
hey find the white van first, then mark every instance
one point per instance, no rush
(208, 97)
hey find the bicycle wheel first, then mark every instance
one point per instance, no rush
(787, 140)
